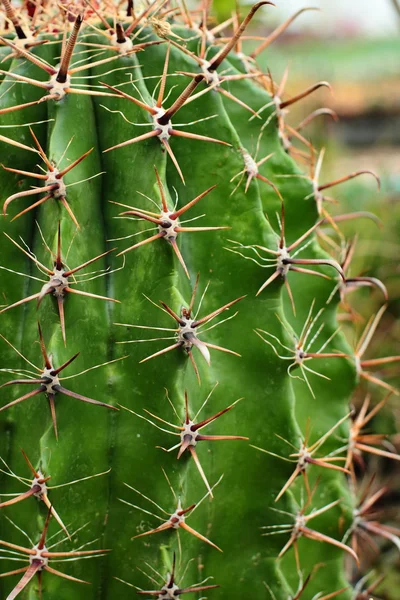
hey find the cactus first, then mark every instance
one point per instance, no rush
(139, 122)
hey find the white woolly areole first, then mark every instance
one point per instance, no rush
(51, 179)
(169, 592)
(24, 43)
(58, 282)
(36, 482)
(38, 557)
(318, 196)
(211, 77)
(300, 522)
(187, 335)
(248, 62)
(300, 355)
(163, 129)
(281, 266)
(304, 456)
(250, 164)
(171, 224)
(54, 380)
(57, 88)
(185, 329)
(187, 431)
(176, 520)
(123, 47)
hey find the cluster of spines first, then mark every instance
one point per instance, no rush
(60, 85)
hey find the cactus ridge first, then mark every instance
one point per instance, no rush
(89, 99)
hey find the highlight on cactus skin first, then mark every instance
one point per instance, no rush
(155, 108)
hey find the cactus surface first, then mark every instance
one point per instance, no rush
(136, 124)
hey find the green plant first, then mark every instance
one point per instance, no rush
(85, 132)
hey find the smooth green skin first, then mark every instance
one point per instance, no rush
(93, 439)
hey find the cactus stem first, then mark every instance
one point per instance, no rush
(162, 126)
(54, 180)
(300, 353)
(58, 284)
(202, 51)
(304, 457)
(50, 384)
(251, 171)
(176, 521)
(188, 432)
(186, 333)
(39, 558)
(300, 529)
(284, 262)
(38, 489)
(170, 589)
(168, 223)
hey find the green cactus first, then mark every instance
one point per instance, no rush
(135, 138)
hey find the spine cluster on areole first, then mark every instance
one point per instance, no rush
(55, 57)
